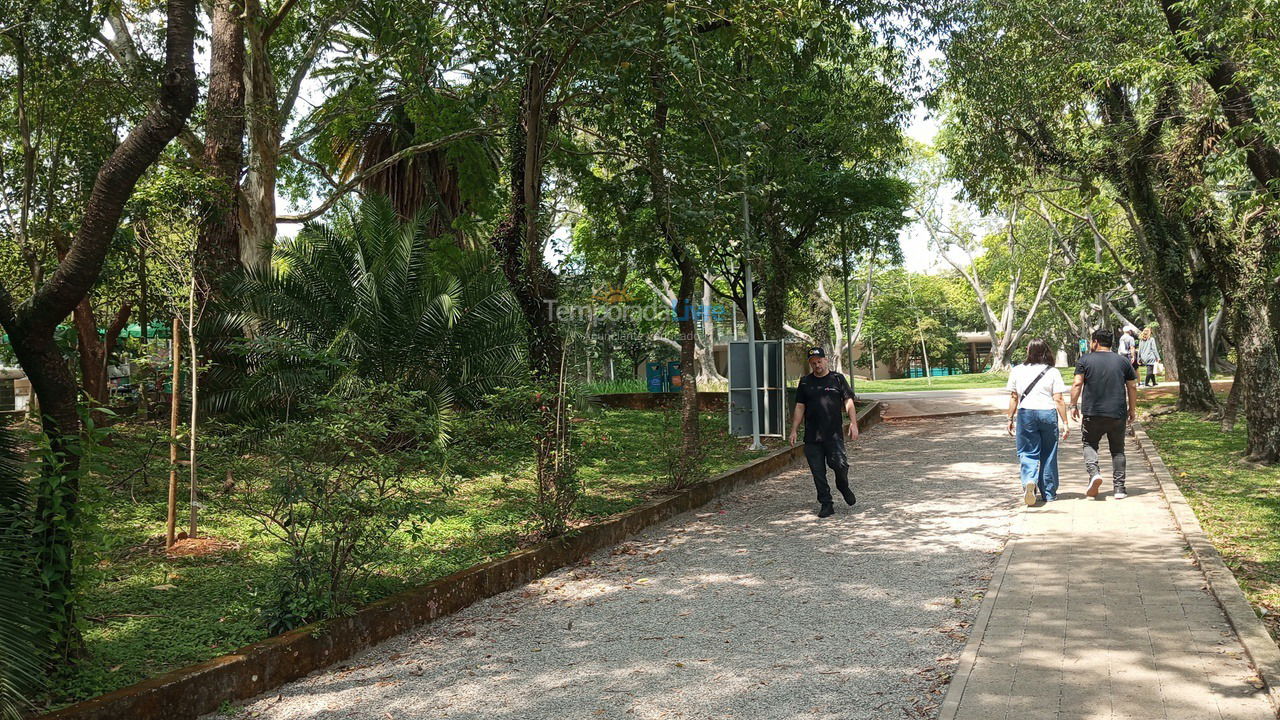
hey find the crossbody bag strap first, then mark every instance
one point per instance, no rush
(1032, 386)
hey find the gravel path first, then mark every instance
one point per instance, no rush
(748, 608)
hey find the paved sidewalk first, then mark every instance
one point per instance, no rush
(1099, 613)
(748, 608)
(921, 404)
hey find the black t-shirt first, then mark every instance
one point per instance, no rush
(1105, 374)
(823, 399)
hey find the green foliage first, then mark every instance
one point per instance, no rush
(67, 539)
(370, 299)
(794, 104)
(480, 488)
(21, 621)
(335, 493)
(908, 307)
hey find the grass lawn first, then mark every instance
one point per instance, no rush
(947, 382)
(1238, 506)
(147, 613)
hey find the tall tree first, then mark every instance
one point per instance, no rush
(31, 323)
(1011, 123)
(218, 246)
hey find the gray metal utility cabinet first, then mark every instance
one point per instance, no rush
(770, 388)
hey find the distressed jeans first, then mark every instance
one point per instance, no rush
(1037, 437)
(821, 455)
(1092, 431)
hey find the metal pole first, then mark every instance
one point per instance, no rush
(751, 325)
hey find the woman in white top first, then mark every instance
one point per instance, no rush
(1037, 410)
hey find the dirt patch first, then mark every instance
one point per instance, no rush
(201, 547)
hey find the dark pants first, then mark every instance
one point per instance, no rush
(821, 455)
(1151, 374)
(1092, 430)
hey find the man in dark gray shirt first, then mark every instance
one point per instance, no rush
(1110, 389)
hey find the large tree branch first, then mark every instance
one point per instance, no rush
(666, 341)
(1041, 292)
(318, 38)
(119, 174)
(124, 50)
(376, 168)
(1236, 100)
(800, 334)
(278, 18)
(1091, 222)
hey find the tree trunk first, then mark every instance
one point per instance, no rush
(1251, 300)
(1167, 324)
(57, 488)
(686, 466)
(218, 243)
(1177, 301)
(144, 333)
(31, 325)
(517, 242)
(999, 357)
(707, 371)
(258, 195)
(1232, 407)
(1195, 394)
(690, 430)
(94, 352)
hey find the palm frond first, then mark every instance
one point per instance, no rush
(371, 298)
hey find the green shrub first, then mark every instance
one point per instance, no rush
(334, 488)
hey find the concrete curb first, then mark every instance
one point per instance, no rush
(1259, 646)
(254, 669)
(942, 415)
(969, 656)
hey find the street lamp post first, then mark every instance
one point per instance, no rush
(751, 322)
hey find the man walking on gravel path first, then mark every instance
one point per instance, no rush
(1110, 389)
(820, 397)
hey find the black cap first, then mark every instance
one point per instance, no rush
(817, 352)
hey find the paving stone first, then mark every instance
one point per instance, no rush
(1138, 636)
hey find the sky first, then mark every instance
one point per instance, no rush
(916, 255)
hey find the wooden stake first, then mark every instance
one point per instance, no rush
(173, 438)
(195, 405)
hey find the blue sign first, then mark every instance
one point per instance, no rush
(656, 376)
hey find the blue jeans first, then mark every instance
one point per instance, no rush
(1038, 450)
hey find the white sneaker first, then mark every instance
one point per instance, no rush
(1095, 482)
(1120, 494)
(1029, 494)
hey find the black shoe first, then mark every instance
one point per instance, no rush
(827, 510)
(849, 497)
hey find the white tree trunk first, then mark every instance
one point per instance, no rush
(258, 201)
(704, 343)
